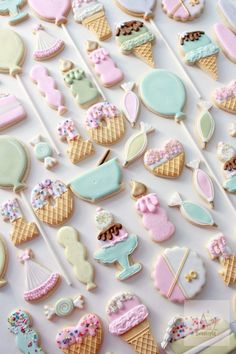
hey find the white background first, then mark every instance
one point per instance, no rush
(122, 206)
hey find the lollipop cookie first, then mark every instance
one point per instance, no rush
(226, 40)
(183, 10)
(64, 307)
(227, 155)
(3, 261)
(11, 111)
(225, 97)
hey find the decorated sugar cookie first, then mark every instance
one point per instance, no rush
(117, 245)
(64, 307)
(11, 111)
(13, 9)
(154, 217)
(51, 10)
(139, 8)
(131, 103)
(163, 93)
(226, 40)
(225, 97)
(3, 261)
(193, 212)
(227, 155)
(227, 10)
(179, 274)
(44, 152)
(134, 37)
(167, 162)
(232, 129)
(197, 48)
(183, 10)
(205, 124)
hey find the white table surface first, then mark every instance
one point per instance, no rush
(122, 206)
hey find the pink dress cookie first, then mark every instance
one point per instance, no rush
(226, 40)
(11, 111)
(183, 10)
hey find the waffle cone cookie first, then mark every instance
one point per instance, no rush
(229, 272)
(225, 97)
(128, 319)
(84, 338)
(209, 65)
(52, 202)
(144, 52)
(105, 123)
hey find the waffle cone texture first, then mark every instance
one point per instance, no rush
(99, 25)
(144, 52)
(79, 149)
(229, 271)
(170, 169)
(208, 64)
(228, 105)
(23, 231)
(89, 345)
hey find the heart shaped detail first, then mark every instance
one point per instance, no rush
(23, 231)
(167, 162)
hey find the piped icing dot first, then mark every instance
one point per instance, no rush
(99, 111)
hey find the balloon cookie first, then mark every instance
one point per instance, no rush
(27, 339)
(12, 53)
(225, 97)
(131, 103)
(205, 124)
(227, 155)
(134, 37)
(11, 111)
(226, 40)
(44, 152)
(163, 93)
(51, 10)
(183, 10)
(193, 212)
(105, 123)
(139, 8)
(52, 202)
(47, 46)
(128, 318)
(40, 282)
(78, 148)
(198, 49)
(75, 253)
(104, 66)
(86, 337)
(167, 162)
(14, 163)
(64, 307)
(12, 8)
(117, 246)
(179, 274)
(91, 14)
(227, 10)
(3, 261)
(154, 217)
(22, 231)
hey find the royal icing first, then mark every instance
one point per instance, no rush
(83, 9)
(227, 40)
(10, 210)
(27, 339)
(228, 8)
(51, 10)
(46, 45)
(12, 8)
(131, 103)
(75, 253)
(225, 93)
(179, 274)
(64, 307)
(227, 155)
(3, 261)
(43, 152)
(183, 10)
(47, 87)
(205, 123)
(218, 247)
(45, 190)
(11, 111)
(141, 8)
(117, 246)
(163, 93)
(100, 111)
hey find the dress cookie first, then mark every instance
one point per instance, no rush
(227, 155)
(179, 274)
(227, 10)
(226, 40)
(11, 111)
(139, 8)
(183, 10)
(44, 152)
(225, 97)
(131, 103)
(52, 202)
(13, 9)
(64, 307)
(51, 10)
(118, 245)
(75, 253)
(3, 261)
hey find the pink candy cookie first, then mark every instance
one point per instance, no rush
(51, 10)
(226, 40)
(11, 111)
(179, 274)
(183, 10)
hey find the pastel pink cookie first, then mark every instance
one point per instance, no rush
(226, 40)
(227, 9)
(183, 10)
(51, 10)
(11, 111)
(179, 274)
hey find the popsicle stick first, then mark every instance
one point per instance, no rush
(20, 81)
(84, 63)
(42, 232)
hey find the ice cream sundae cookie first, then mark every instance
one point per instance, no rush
(225, 97)
(134, 37)
(139, 8)
(226, 40)
(183, 10)
(227, 155)
(198, 49)
(11, 111)
(227, 10)
(64, 307)
(52, 202)
(117, 246)
(179, 274)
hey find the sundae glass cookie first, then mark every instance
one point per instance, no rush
(227, 155)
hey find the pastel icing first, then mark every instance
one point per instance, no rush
(64, 307)
(226, 39)
(27, 339)
(171, 271)
(13, 9)
(89, 325)
(218, 247)
(228, 8)
(154, 218)
(67, 130)
(83, 9)
(163, 93)
(205, 126)
(226, 154)
(142, 8)
(10, 210)
(14, 163)
(3, 261)
(225, 93)
(131, 102)
(11, 111)
(100, 111)
(185, 10)
(44, 191)
(51, 10)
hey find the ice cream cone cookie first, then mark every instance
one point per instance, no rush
(195, 213)
(103, 64)
(11, 111)
(47, 46)
(167, 162)
(225, 97)
(78, 148)
(75, 253)
(13, 9)
(27, 339)
(40, 282)
(81, 87)
(199, 334)
(22, 231)
(139, 8)
(44, 152)
(154, 217)
(134, 37)
(105, 123)
(131, 103)
(64, 307)
(183, 10)
(179, 274)
(51, 10)
(52, 202)
(226, 39)
(205, 124)
(227, 10)
(118, 245)
(85, 338)
(198, 49)
(3, 261)
(91, 14)
(227, 155)
(128, 318)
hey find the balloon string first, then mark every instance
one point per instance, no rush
(81, 58)
(209, 168)
(42, 232)
(159, 33)
(38, 115)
